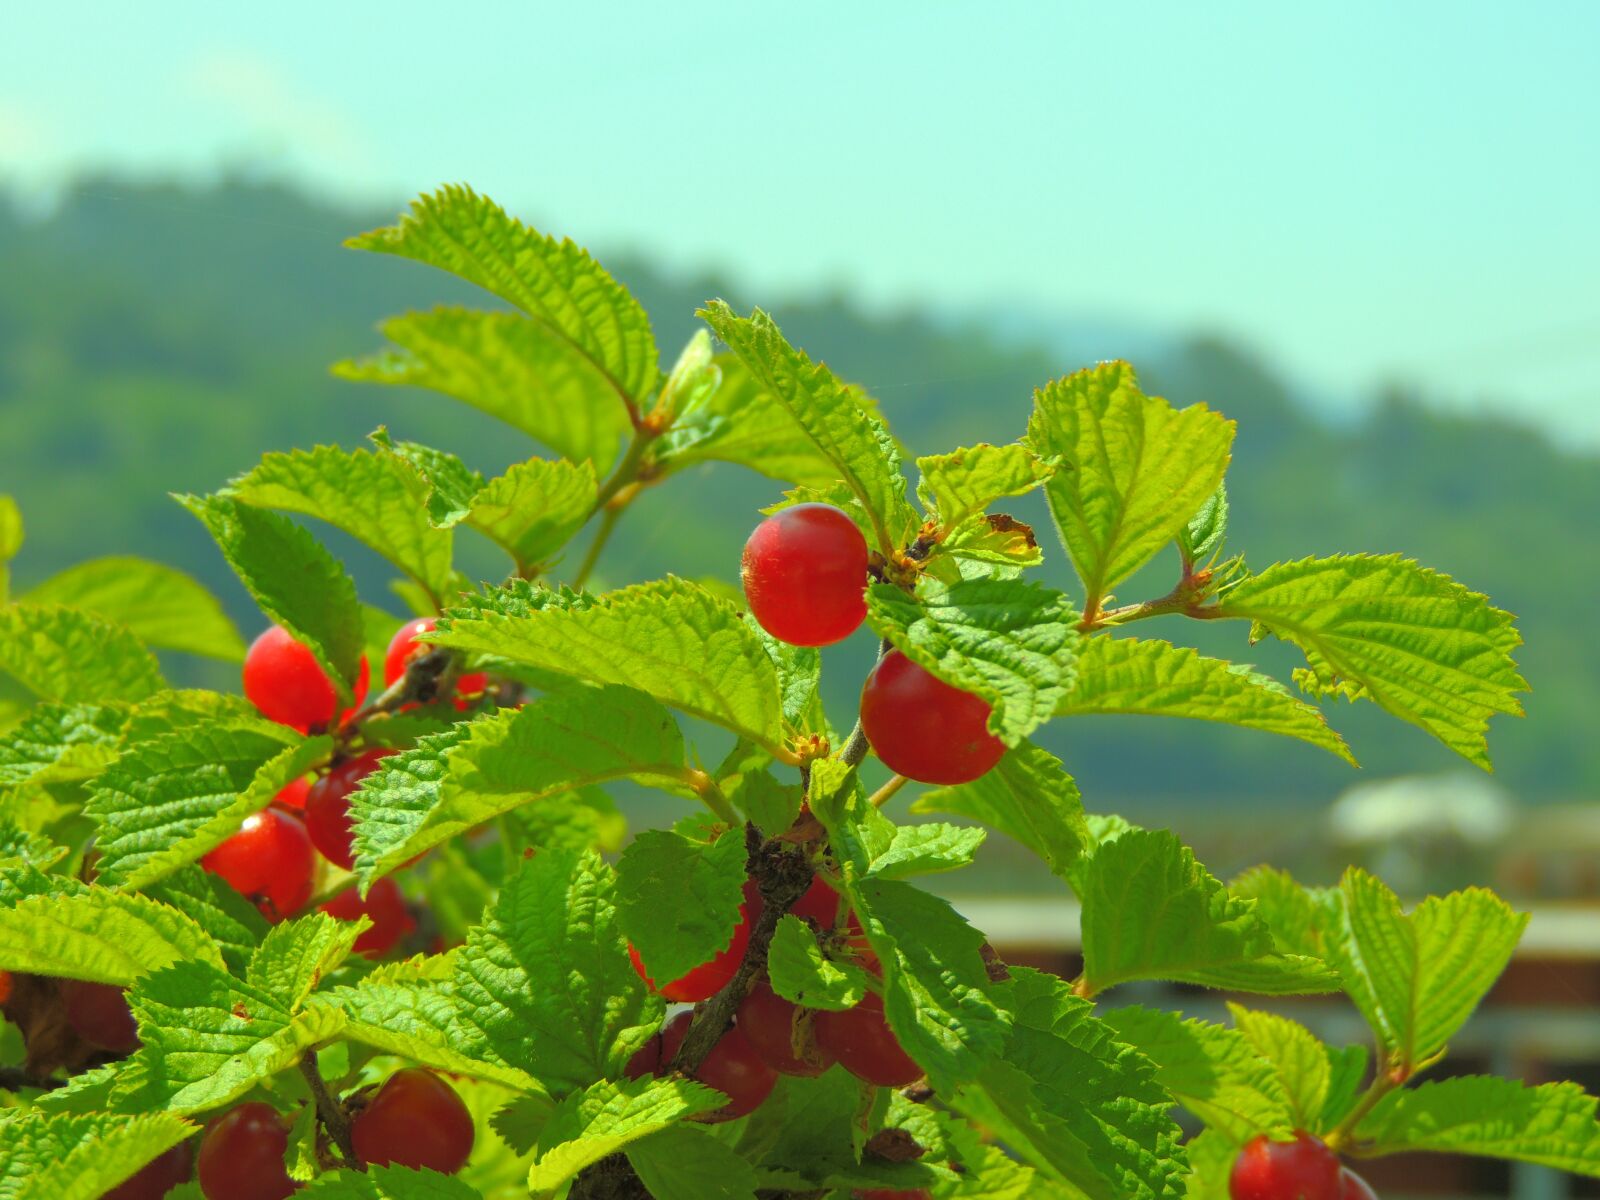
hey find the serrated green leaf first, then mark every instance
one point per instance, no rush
(1298, 1059)
(454, 781)
(1211, 1156)
(555, 282)
(520, 1122)
(808, 1127)
(1301, 918)
(607, 1117)
(229, 920)
(19, 847)
(171, 711)
(388, 1183)
(927, 850)
(802, 974)
(1553, 1124)
(298, 955)
(1012, 643)
(1203, 538)
(534, 508)
(1026, 796)
(680, 899)
(65, 655)
(294, 579)
(1134, 469)
(1411, 640)
(962, 484)
(849, 434)
(1150, 911)
(671, 639)
(799, 671)
(1152, 678)
(80, 1156)
(169, 801)
(1417, 978)
(159, 605)
(57, 743)
(1212, 1071)
(451, 484)
(681, 1162)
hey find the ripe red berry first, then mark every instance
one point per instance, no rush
(778, 1034)
(157, 1177)
(293, 794)
(99, 1014)
(861, 1040)
(820, 903)
(1353, 1187)
(269, 860)
(646, 1060)
(893, 1194)
(403, 647)
(416, 1120)
(328, 806)
(241, 1156)
(732, 1067)
(5, 986)
(923, 728)
(711, 977)
(385, 906)
(283, 679)
(805, 575)
(1304, 1169)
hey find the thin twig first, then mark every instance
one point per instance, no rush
(334, 1119)
(602, 535)
(881, 797)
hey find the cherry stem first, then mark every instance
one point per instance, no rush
(881, 797)
(331, 1113)
(608, 524)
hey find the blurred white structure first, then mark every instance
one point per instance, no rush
(1410, 829)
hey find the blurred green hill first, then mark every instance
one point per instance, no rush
(156, 339)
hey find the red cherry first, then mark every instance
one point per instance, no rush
(711, 977)
(5, 986)
(892, 1194)
(403, 647)
(293, 794)
(923, 728)
(157, 1177)
(99, 1014)
(385, 906)
(860, 1038)
(416, 1120)
(772, 1026)
(1304, 1169)
(241, 1156)
(820, 903)
(646, 1060)
(270, 860)
(328, 806)
(1353, 1187)
(805, 575)
(732, 1067)
(283, 679)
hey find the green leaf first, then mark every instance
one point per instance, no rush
(802, 974)
(11, 537)
(1026, 796)
(294, 579)
(70, 656)
(75, 931)
(1211, 1157)
(1301, 919)
(19, 847)
(962, 484)
(555, 282)
(607, 1117)
(59, 743)
(167, 802)
(927, 850)
(454, 781)
(848, 432)
(799, 671)
(159, 605)
(1012, 643)
(229, 920)
(681, 1162)
(84, 1156)
(1553, 1124)
(1134, 469)
(387, 1183)
(516, 370)
(671, 639)
(534, 508)
(1126, 675)
(811, 1127)
(680, 898)
(1417, 978)
(1297, 1057)
(1212, 1071)
(1202, 539)
(1413, 641)
(1150, 911)
(297, 955)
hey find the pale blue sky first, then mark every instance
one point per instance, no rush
(1363, 190)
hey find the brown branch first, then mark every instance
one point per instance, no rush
(14, 1079)
(331, 1113)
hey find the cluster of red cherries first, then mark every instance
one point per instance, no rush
(1304, 1169)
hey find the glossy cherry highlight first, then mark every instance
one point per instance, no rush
(241, 1156)
(328, 806)
(385, 907)
(733, 1068)
(415, 1120)
(1353, 1187)
(1304, 1169)
(805, 575)
(923, 728)
(283, 679)
(269, 860)
(404, 647)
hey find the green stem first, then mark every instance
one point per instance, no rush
(627, 470)
(1340, 1137)
(608, 523)
(881, 797)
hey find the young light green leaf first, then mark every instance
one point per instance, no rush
(159, 605)
(1413, 641)
(802, 974)
(1211, 1156)
(607, 1117)
(1134, 469)
(297, 955)
(927, 850)
(1126, 675)
(11, 537)
(1553, 1124)
(1012, 643)
(1301, 918)
(555, 282)
(387, 1183)
(962, 484)
(1026, 796)
(850, 434)
(1150, 911)
(61, 743)
(454, 781)
(167, 802)
(671, 639)
(294, 579)
(80, 1156)
(1298, 1059)
(534, 508)
(681, 1162)
(70, 656)
(450, 483)
(1202, 539)
(1417, 978)
(680, 898)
